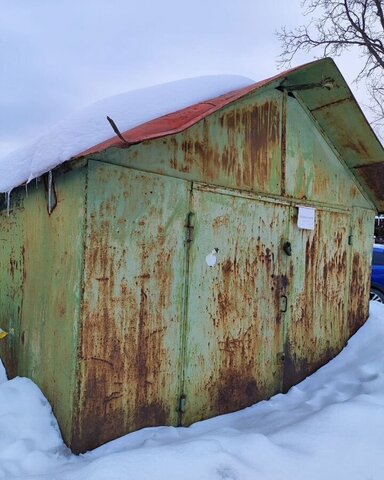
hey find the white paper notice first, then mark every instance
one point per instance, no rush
(306, 218)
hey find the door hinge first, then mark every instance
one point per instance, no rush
(182, 404)
(190, 227)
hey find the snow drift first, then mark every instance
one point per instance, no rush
(329, 426)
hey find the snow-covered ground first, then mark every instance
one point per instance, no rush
(331, 426)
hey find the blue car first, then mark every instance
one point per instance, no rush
(377, 278)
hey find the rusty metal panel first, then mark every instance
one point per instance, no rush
(314, 172)
(46, 260)
(372, 176)
(11, 278)
(316, 328)
(355, 139)
(234, 336)
(133, 303)
(236, 147)
(244, 145)
(362, 227)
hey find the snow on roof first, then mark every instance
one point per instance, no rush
(89, 127)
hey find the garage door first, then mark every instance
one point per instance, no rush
(234, 334)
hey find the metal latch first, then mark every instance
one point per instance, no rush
(190, 227)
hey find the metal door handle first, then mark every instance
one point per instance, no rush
(287, 247)
(284, 303)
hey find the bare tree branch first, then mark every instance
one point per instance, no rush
(337, 26)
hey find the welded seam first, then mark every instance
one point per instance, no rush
(184, 323)
(75, 428)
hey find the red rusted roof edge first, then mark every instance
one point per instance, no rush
(182, 119)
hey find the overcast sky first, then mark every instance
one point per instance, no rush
(60, 55)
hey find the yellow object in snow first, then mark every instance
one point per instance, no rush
(2, 334)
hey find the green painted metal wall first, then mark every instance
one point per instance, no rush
(314, 170)
(234, 329)
(248, 146)
(316, 328)
(42, 279)
(134, 287)
(113, 309)
(11, 280)
(238, 147)
(360, 254)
